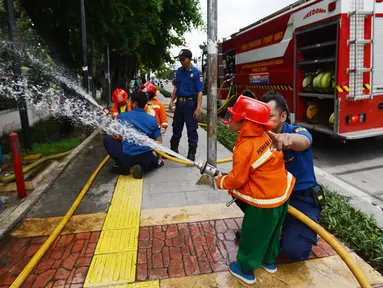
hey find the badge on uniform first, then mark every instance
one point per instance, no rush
(300, 129)
(191, 75)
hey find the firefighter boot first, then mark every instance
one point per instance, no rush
(191, 152)
(174, 147)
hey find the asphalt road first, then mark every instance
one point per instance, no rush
(357, 162)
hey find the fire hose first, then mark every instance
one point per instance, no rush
(358, 273)
(43, 249)
(210, 170)
(10, 178)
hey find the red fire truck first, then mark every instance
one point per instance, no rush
(324, 56)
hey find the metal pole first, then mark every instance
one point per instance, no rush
(84, 47)
(17, 72)
(212, 54)
(93, 86)
(108, 77)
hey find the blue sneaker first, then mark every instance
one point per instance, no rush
(271, 268)
(247, 277)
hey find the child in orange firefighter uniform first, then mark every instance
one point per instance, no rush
(120, 102)
(156, 108)
(258, 178)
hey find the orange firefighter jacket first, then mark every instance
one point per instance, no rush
(159, 112)
(258, 177)
(115, 110)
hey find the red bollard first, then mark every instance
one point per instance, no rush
(17, 164)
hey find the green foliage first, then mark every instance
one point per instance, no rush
(355, 229)
(45, 133)
(166, 94)
(224, 135)
(57, 147)
(166, 73)
(139, 33)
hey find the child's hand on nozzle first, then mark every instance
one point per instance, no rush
(280, 141)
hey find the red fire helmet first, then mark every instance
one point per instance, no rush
(151, 88)
(119, 96)
(251, 110)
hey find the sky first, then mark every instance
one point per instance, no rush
(232, 15)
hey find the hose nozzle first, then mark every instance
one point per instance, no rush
(206, 168)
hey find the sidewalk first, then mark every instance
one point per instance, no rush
(160, 231)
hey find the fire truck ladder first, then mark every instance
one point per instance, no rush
(356, 44)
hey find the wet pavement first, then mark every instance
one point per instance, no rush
(59, 198)
(162, 231)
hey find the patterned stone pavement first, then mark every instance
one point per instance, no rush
(65, 264)
(178, 250)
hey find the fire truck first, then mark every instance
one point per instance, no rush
(324, 56)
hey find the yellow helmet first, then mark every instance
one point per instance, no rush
(312, 112)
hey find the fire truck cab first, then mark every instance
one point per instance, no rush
(324, 56)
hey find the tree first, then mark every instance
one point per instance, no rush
(166, 73)
(139, 33)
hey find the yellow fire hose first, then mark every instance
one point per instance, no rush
(40, 253)
(10, 178)
(359, 275)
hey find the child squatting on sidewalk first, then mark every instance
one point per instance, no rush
(258, 178)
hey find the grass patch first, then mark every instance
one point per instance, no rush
(355, 229)
(164, 92)
(57, 147)
(47, 138)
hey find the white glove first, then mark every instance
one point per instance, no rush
(163, 130)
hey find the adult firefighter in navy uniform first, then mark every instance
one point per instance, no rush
(188, 91)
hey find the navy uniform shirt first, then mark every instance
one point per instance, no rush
(188, 82)
(144, 123)
(300, 164)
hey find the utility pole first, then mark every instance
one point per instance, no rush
(212, 52)
(84, 47)
(17, 73)
(108, 77)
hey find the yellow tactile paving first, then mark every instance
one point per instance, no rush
(122, 220)
(114, 268)
(148, 284)
(112, 241)
(114, 262)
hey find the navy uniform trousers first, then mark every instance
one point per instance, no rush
(148, 160)
(296, 238)
(184, 114)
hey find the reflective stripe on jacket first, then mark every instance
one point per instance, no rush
(160, 112)
(115, 110)
(258, 177)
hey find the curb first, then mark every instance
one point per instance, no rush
(359, 199)
(9, 220)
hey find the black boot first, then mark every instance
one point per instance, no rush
(174, 147)
(191, 152)
(137, 172)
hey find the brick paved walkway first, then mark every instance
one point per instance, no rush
(64, 265)
(170, 251)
